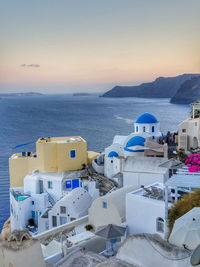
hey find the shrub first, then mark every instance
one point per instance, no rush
(181, 154)
(89, 227)
(183, 205)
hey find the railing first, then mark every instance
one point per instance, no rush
(50, 199)
(61, 228)
(18, 194)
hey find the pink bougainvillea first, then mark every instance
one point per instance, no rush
(193, 162)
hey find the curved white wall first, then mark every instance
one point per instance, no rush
(145, 252)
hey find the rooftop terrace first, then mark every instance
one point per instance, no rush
(64, 139)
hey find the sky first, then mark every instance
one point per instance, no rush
(64, 46)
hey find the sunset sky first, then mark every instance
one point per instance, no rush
(54, 46)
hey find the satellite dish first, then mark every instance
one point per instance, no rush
(195, 258)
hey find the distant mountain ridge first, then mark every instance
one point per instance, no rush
(162, 87)
(188, 92)
(20, 94)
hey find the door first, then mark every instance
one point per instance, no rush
(41, 186)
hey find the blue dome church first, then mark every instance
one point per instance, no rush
(148, 124)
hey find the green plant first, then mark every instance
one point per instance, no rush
(181, 154)
(183, 205)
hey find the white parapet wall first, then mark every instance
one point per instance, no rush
(151, 251)
(98, 168)
(62, 228)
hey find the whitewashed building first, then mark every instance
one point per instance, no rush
(71, 207)
(121, 161)
(30, 205)
(144, 171)
(109, 209)
(189, 131)
(145, 210)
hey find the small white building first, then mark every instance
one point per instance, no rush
(71, 207)
(189, 131)
(41, 192)
(189, 134)
(145, 210)
(109, 209)
(144, 171)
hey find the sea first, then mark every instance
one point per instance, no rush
(24, 119)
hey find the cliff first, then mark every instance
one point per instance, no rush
(162, 87)
(188, 92)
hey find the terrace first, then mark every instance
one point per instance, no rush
(18, 194)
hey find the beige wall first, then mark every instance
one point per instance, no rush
(99, 216)
(67, 163)
(30, 255)
(91, 156)
(47, 154)
(20, 167)
(52, 156)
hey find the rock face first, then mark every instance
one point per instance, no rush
(160, 88)
(188, 92)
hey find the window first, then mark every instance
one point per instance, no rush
(54, 221)
(72, 154)
(33, 202)
(63, 220)
(62, 209)
(136, 128)
(144, 129)
(160, 225)
(11, 208)
(104, 205)
(153, 129)
(50, 184)
(183, 130)
(69, 184)
(111, 161)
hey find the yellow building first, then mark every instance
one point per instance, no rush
(53, 154)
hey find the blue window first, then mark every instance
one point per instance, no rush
(33, 202)
(68, 184)
(33, 214)
(75, 183)
(72, 154)
(136, 128)
(153, 129)
(104, 204)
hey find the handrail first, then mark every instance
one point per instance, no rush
(61, 228)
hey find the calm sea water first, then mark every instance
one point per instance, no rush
(25, 119)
